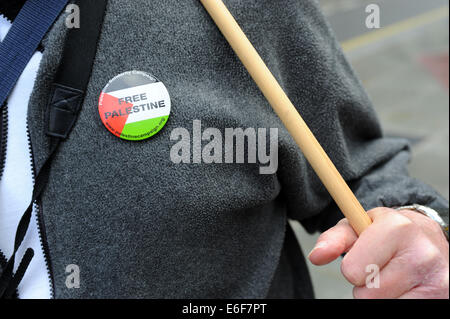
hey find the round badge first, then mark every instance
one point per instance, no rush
(134, 105)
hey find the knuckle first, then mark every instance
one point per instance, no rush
(430, 255)
(379, 211)
(402, 224)
(354, 275)
(343, 221)
(426, 263)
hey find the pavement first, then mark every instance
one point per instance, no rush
(404, 68)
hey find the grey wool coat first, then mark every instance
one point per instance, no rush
(140, 226)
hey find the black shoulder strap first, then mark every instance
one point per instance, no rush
(64, 105)
(74, 72)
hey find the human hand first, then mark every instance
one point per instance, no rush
(409, 249)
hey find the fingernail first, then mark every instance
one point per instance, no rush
(319, 245)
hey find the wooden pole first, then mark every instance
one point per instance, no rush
(288, 114)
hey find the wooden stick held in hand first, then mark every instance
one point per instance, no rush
(291, 119)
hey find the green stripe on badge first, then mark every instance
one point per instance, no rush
(134, 131)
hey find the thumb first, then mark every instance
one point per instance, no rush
(333, 243)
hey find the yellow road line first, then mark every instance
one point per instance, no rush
(396, 28)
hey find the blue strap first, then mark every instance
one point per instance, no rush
(31, 24)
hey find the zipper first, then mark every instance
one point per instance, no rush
(40, 223)
(3, 141)
(37, 206)
(3, 260)
(3, 136)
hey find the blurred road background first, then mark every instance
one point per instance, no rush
(404, 67)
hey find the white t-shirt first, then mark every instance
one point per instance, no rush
(16, 184)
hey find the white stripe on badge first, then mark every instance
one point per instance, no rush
(156, 103)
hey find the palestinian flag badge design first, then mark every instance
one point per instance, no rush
(134, 105)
